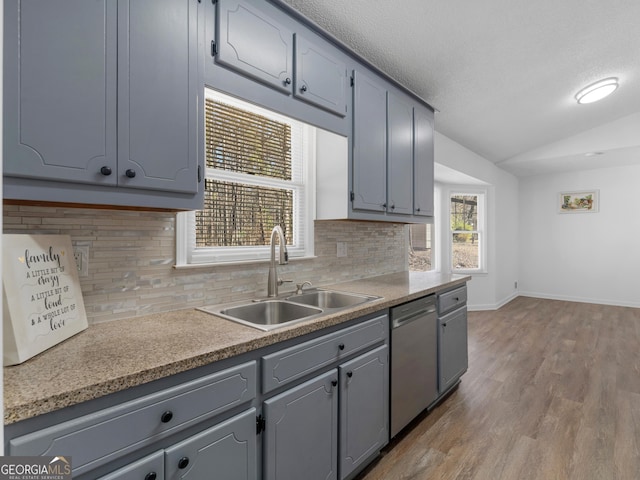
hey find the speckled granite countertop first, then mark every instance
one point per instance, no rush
(113, 356)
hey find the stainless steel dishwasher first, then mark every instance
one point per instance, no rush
(414, 360)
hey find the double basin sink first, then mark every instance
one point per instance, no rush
(275, 313)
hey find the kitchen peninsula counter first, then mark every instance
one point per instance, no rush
(114, 356)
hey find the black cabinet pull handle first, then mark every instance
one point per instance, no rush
(334, 383)
(106, 171)
(151, 476)
(303, 88)
(287, 81)
(183, 462)
(130, 173)
(166, 416)
(349, 374)
(341, 346)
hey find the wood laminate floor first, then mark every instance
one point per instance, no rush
(552, 393)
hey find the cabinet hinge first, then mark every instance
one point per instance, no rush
(352, 196)
(199, 173)
(260, 424)
(213, 48)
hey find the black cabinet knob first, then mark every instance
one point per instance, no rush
(106, 171)
(287, 81)
(334, 383)
(130, 173)
(183, 462)
(166, 416)
(393, 206)
(349, 374)
(151, 476)
(418, 209)
(341, 346)
(384, 205)
(303, 88)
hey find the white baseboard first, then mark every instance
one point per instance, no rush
(492, 306)
(568, 298)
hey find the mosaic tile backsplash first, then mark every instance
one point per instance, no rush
(132, 257)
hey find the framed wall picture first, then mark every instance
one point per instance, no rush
(584, 201)
(42, 300)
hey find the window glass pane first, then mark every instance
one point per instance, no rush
(464, 212)
(242, 141)
(465, 250)
(420, 248)
(236, 214)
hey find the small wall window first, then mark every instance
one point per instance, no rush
(259, 173)
(421, 248)
(467, 231)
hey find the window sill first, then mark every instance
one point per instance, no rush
(237, 263)
(476, 273)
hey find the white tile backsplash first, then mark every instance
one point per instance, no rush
(131, 258)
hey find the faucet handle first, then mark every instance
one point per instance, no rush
(300, 286)
(281, 281)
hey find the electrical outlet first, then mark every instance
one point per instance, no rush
(515, 284)
(81, 256)
(341, 248)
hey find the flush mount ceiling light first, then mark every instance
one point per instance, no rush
(597, 91)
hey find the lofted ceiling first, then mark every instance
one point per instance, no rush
(503, 73)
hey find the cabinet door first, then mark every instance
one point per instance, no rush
(400, 155)
(158, 93)
(364, 408)
(147, 468)
(452, 348)
(320, 78)
(369, 144)
(60, 90)
(301, 431)
(423, 126)
(228, 450)
(251, 43)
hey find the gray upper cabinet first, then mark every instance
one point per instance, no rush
(400, 155)
(423, 127)
(158, 94)
(102, 95)
(369, 144)
(320, 79)
(60, 89)
(253, 44)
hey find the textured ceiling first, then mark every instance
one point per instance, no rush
(503, 73)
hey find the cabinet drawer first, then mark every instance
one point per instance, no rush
(292, 363)
(140, 470)
(97, 438)
(451, 300)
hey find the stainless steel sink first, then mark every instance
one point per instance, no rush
(330, 299)
(266, 315)
(270, 314)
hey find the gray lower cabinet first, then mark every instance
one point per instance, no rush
(453, 356)
(452, 348)
(364, 409)
(227, 451)
(101, 102)
(301, 431)
(150, 467)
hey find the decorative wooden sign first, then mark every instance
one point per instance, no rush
(42, 300)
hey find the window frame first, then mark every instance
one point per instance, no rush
(481, 230)
(302, 183)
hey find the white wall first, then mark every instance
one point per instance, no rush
(491, 290)
(588, 257)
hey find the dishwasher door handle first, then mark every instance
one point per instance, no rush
(398, 322)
